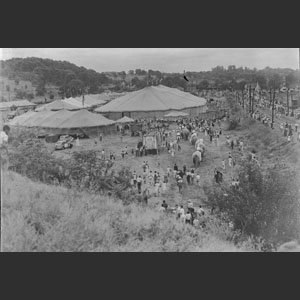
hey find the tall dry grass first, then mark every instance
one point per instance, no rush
(39, 217)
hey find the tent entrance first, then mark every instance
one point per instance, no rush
(126, 114)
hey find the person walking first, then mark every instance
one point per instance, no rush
(223, 164)
(145, 196)
(180, 184)
(188, 177)
(198, 179)
(188, 217)
(175, 169)
(150, 177)
(77, 142)
(145, 176)
(241, 146)
(192, 176)
(134, 176)
(168, 171)
(4, 155)
(164, 204)
(230, 160)
(139, 184)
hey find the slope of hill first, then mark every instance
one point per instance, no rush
(38, 217)
(67, 77)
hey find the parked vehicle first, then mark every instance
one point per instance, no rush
(64, 142)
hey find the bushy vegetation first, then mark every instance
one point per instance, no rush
(39, 217)
(85, 170)
(266, 205)
(70, 78)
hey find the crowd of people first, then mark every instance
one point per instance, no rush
(289, 130)
(188, 214)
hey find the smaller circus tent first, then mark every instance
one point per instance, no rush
(84, 122)
(53, 120)
(66, 122)
(37, 118)
(17, 104)
(19, 120)
(89, 102)
(57, 105)
(125, 120)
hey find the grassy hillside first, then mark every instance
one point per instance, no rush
(38, 217)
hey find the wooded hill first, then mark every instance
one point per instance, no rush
(72, 80)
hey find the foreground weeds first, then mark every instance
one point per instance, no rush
(38, 217)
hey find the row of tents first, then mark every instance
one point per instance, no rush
(72, 115)
(82, 102)
(73, 122)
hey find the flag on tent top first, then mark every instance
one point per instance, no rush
(83, 100)
(184, 76)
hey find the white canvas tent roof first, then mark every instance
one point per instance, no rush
(57, 105)
(153, 98)
(125, 120)
(18, 103)
(19, 120)
(89, 101)
(56, 118)
(37, 118)
(84, 119)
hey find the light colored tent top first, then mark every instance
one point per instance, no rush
(19, 103)
(57, 105)
(176, 114)
(19, 120)
(89, 101)
(153, 98)
(36, 119)
(56, 118)
(125, 120)
(84, 119)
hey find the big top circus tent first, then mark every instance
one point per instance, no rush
(153, 101)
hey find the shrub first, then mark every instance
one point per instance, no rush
(84, 171)
(266, 204)
(233, 125)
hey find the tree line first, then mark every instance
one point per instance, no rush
(73, 80)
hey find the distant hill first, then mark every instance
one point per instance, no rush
(62, 76)
(32, 77)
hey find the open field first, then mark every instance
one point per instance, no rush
(268, 144)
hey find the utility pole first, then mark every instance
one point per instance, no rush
(273, 104)
(243, 99)
(287, 101)
(252, 109)
(249, 99)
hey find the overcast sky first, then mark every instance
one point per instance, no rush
(164, 59)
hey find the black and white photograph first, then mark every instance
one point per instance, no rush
(150, 149)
